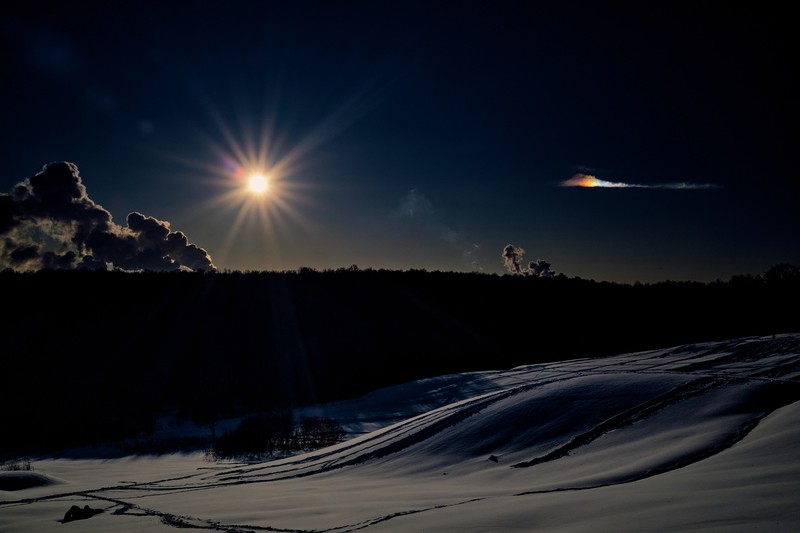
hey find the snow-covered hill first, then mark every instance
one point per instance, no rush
(703, 436)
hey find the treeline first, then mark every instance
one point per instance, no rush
(93, 356)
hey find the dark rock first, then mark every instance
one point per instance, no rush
(76, 513)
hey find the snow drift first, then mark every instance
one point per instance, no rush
(694, 437)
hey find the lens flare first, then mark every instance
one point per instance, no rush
(260, 188)
(262, 175)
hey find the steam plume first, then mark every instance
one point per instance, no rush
(512, 256)
(512, 259)
(540, 269)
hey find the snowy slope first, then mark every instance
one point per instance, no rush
(695, 437)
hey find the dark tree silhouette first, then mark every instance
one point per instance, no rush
(116, 350)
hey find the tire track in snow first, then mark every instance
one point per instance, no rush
(125, 508)
(397, 437)
(627, 418)
(388, 441)
(697, 457)
(746, 352)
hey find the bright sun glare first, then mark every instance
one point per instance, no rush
(261, 177)
(257, 184)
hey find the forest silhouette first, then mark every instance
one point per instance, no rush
(93, 356)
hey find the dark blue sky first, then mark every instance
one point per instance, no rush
(422, 135)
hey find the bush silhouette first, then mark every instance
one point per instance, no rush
(266, 434)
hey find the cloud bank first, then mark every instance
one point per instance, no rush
(49, 221)
(587, 180)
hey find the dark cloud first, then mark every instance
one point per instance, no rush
(89, 263)
(21, 254)
(49, 221)
(512, 260)
(53, 260)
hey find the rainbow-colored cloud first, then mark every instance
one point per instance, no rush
(587, 180)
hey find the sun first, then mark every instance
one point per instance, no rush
(262, 180)
(257, 184)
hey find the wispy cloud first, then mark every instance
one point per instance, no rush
(416, 213)
(587, 180)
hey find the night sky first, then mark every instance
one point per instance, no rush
(422, 135)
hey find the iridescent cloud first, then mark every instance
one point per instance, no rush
(587, 180)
